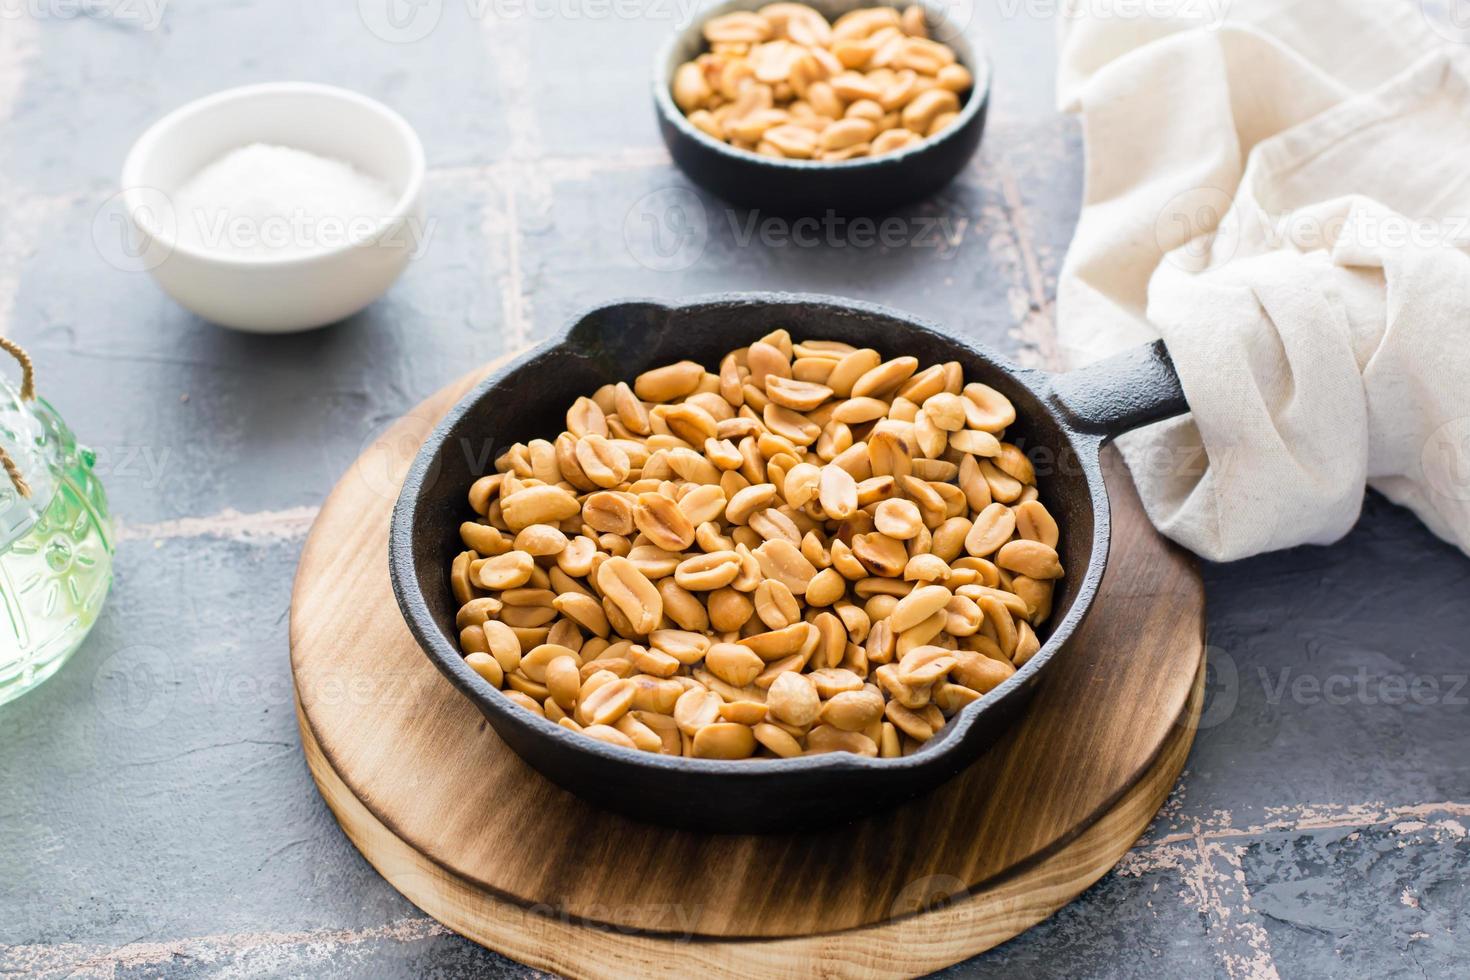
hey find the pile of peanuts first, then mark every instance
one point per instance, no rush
(812, 550)
(782, 82)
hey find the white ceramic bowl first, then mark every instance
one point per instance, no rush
(276, 293)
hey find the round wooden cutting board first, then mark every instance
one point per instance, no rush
(474, 837)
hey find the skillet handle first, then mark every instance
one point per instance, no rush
(1123, 392)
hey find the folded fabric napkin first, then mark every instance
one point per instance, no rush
(1281, 190)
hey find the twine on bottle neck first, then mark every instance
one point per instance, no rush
(27, 393)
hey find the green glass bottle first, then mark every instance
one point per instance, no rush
(55, 539)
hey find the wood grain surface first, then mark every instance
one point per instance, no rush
(417, 776)
(910, 944)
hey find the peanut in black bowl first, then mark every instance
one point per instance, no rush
(862, 186)
(1062, 419)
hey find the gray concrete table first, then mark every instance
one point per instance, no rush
(155, 813)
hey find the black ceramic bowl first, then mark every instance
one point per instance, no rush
(1063, 421)
(868, 185)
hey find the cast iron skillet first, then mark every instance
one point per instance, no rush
(867, 185)
(1063, 422)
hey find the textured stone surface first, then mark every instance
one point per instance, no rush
(156, 816)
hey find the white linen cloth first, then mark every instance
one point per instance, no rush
(1281, 190)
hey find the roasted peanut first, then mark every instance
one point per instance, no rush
(541, 540)
(630, 591)
(782, 82)
(724, 740)
(741, 27)
(665, 384)
(487, 667)
(508, 571)
(813, 550)
(898, 519)
(792, 698)
(825, 738)
(778, 740)
(885, 378)
(853, 711)
(837, 491)
(825, 588)
(695, 709)
(776, 605)
(918, 606)
(662, 522)
(1035, 523)
(988, 410)
(538, 505)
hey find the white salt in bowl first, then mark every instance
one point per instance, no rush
(322, 278)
